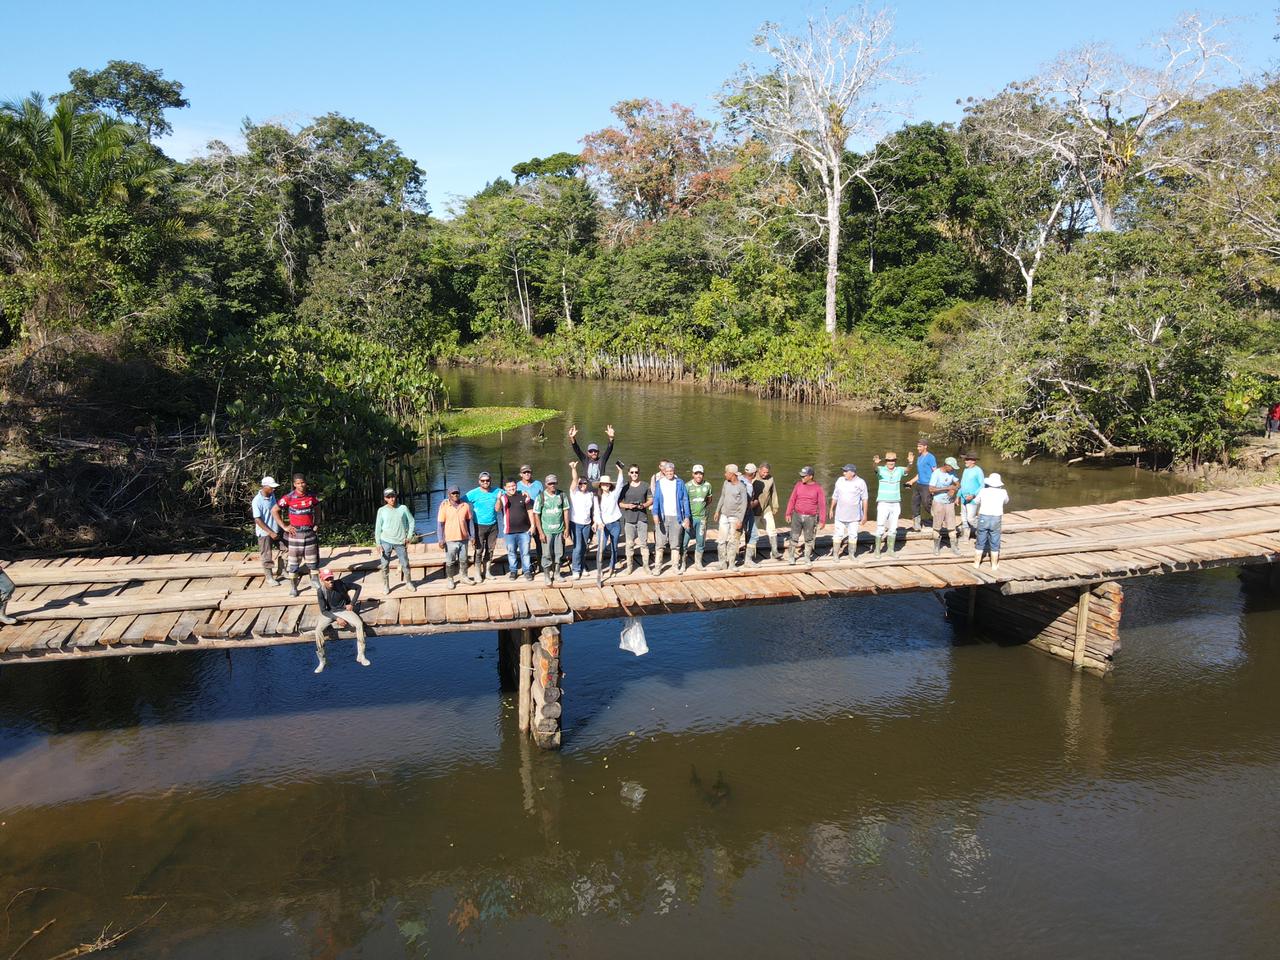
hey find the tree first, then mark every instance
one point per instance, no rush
(562, 164)
(651, 162)
(130, 91)
(1094, 112)
(820, 93)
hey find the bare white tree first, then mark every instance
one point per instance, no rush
(821, 91)
(1095, 111)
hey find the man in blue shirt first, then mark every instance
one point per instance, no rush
(267, 530)
(484, 508)
(926, 463)
(944, 485)
(531, 488)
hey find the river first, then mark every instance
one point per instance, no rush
(828, 779)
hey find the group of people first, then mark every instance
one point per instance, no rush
(545, 524)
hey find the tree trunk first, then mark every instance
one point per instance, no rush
(833, 254)
(564, 295)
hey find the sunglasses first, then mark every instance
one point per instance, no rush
(525, 473)
(486, 480)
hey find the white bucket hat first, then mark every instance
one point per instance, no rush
(994, 480)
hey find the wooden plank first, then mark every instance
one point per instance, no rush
(180, 632)
(89, 632)
(158, 630)
(455, 608)
(477, 608)
(115, 630)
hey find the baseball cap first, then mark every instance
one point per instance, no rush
(806, 471)
(749, 468)
(697, 468)
(951, 462)
(326, 574)
(484, 475)
(524, 467)
(593, 448)
(454, 488)
(849, 467)
(551, 478)
(389, 492)
(268, 481)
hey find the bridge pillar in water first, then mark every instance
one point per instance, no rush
(1264, 577)
(1078, 624)
(545, 694)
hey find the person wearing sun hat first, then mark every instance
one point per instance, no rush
(991, 503)
(971, 483)
(337, 605)
(944, 485)
(888, 501)
(267, 528)
(608, 522)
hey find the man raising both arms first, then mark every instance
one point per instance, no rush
(888, 501)
(593, 464)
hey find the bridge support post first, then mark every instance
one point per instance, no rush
(544, 689)
(1261, 576)
(1077, 624)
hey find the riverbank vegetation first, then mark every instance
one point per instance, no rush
(482, 421)
(1087, 262)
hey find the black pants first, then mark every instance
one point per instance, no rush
(921, 498)
(486, 541)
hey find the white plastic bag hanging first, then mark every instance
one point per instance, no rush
(633, 637)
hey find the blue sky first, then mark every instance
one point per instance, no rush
(468, 89)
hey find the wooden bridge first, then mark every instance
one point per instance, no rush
(1056, 566)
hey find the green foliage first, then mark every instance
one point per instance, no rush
(481, 421)
(129, 91)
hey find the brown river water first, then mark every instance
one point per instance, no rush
(827, 779)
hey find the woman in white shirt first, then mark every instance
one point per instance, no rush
(582, 503)
(608, 520)
(990, 502)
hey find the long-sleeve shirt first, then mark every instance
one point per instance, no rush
(393, 524)
(332, 599)
(808, 499)
(765, 491)
(453, 523)
(733, 501)
(593, 467)
(971, 482)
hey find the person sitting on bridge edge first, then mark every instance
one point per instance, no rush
(991, 503)
(671, 517)
(971, 481)
(300, 531)
(848, 511)
(393, 526)
(594, 465)
(888, 501)
(925, 463)
(453, 530)
(337, 604)
(516, 508)
(699, 491)
(582, 508)
(267, 528)
(807, 514)
(484, 502)
(551, 520)
(945, 485)
(731, 512)
(6, 594)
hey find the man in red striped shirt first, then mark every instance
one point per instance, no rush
(807, 514)
(300, 531)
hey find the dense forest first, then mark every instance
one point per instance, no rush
(1087, 263)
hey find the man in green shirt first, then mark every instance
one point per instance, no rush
(551, 521)
(699, 493)
(888, 501)
(392, 529)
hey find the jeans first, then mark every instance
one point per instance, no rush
(748, 526)
(455, 557)
(518, 551)
(581, 534)
(988, 533)
(698, 534)
(804, 525)
(668, 532)
(400, 550)
(609, 548)
(553, 553)
(6, 587)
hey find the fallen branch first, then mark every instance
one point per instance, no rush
(34, 933)
(106, 940)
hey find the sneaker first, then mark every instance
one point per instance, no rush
(529, 575)
(577, 574)
(511, 575)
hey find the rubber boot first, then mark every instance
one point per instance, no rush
(386, 579)
(995, 560)
(916, 525)
(269, 575)
(791, 552)
(293, 584)
(315, 581)
(879, 545)
(360, 657)
(721, 563)
(937, 544)
(752, 557)
(406, 578)
(977, 558)
(955, 542)
(836, 547)
(5, 619)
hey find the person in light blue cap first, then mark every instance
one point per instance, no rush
(945, 486)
